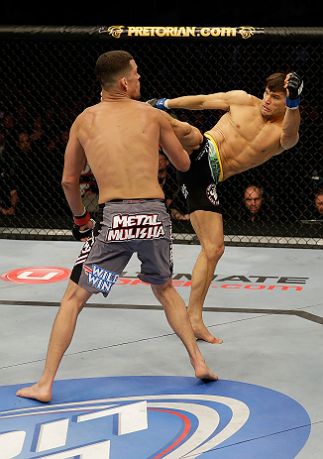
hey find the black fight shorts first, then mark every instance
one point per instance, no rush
(198, 184)
(125, 227)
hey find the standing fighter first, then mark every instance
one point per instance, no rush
(119, 138)
(249, 134)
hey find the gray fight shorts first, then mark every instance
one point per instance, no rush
(124, 227)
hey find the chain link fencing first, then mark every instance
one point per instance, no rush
(47, 81)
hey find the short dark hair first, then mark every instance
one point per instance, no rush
(275, 82)
(318, 190)
(110, 66)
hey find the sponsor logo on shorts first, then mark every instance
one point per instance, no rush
(206, 148)
(184, 190)
(212, 195)
(100, 279)
(139, 226)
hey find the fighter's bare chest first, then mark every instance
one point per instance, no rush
(252, 129)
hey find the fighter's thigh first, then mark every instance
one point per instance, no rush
(156, 261)
(99, 270)
(208, 227)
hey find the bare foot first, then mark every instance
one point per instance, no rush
(36, 392)
(203, 372)
(201, 332)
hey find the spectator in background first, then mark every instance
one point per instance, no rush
(162, 168)
(60, 142)
(253, 199)
(8, 188)
(34, 176)
(11, 194)
(89, 190)
(23, 119)
(37, 130)
(24, 142)
(2, 143)
(49, 121)
(8, 122)
(64, 138)
(319, 199)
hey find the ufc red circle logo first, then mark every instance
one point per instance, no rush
(42, 275)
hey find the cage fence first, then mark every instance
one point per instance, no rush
(48, 79)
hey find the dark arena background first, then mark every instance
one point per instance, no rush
(48, 79)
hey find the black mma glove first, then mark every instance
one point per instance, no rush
(295, 87)
(79, 235)
(159, 103)
(81, 220)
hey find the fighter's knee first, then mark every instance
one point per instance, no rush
(221, 250)
(74, 298)
(214, 252)
(160, 289)
(72, 305)
(182, 130)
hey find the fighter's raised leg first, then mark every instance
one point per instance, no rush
(189, 136)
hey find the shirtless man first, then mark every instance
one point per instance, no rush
(119, 138)
(249, 134)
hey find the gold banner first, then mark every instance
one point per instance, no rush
(244, 32)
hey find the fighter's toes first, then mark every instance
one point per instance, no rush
(204, 334)
(208, 338)
(34, 392)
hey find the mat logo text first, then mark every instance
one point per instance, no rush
(131, 418)
(198, 413)
(161, 417)
(233, 282)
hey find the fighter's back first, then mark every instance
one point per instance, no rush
(120, 140)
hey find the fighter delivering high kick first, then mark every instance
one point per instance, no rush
(251, 132)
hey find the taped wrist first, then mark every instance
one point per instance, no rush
(82, 219)
(292, 104)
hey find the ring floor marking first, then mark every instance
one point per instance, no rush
(152, 417)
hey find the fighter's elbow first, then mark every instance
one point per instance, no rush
(68, 182)
(289, 142)
(65, 183)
